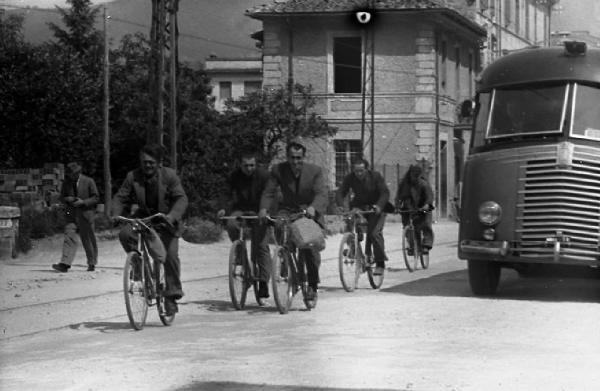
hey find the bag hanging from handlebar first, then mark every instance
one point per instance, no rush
(307, 234)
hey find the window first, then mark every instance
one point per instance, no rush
(345, 150)
(443, 70)
(347, 64)
(518, 17)
(507, 12)
(527, 111)
(586, 116)
(251, 86)
(457, 72)
(224, 90)
(471, 79)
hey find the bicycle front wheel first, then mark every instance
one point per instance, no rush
(282, 279)
(410, 260)
(348, 262)
(134, 291)
(238, 283)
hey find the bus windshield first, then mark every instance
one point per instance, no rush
(527, 111)
(586, 112)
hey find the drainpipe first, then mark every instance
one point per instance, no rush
(436, 140)
(290, 69)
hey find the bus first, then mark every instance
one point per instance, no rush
(531, 184)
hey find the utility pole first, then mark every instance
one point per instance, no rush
(173, 71)
(106, 141)
(368, 95)
(163, 37)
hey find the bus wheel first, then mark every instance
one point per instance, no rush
(483, 277)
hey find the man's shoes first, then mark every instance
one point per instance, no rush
(170, 307)
(425, 250)
(379, 270)
(410, 252)
(91, 268)
(61, 267)
(263, 289)
(312, 293)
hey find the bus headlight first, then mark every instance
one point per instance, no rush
(490, 213)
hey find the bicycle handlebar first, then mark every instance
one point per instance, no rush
(143, 221)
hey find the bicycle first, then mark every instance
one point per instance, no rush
(143, 281)
(409, 236)
(242, 271)
(288, 274)
(352, 260)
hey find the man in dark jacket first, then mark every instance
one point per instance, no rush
(80, 196)
(370, 191)
(302, 186)
(155, 189)
(414, 193)
(246, 185)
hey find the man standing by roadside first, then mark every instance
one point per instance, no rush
(80, 196)
(370, 191)
(302, 187)
(155, 189)
(246, 185)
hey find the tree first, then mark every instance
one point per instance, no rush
(277, 118)
(80, 34)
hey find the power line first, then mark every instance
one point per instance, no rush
(190, 36)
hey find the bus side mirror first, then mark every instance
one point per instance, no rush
(467, 108)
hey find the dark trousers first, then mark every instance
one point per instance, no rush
(88, 240)
(163, 247)
(311, 258)
(259, 245)
(422, 224)
(375, 240)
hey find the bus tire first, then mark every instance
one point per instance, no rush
(483, 277)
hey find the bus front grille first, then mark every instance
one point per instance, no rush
(560, 204)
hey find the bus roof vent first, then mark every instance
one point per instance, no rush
(575, 48)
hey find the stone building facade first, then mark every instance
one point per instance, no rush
(424, 56)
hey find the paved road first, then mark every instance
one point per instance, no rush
(421, 331)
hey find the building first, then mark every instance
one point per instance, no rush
(392, 86)
(231, 78)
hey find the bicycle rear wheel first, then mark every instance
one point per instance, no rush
(411, 261)
(312, 302)
(424, 257)
(238, 272)
(348, 262)
(134, 291)
(282, 279)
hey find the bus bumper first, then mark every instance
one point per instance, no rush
(470, 248)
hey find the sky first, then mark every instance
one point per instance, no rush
(43, 3)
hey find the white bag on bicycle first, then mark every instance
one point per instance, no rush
(306, 233)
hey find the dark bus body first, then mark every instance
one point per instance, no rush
(531, 190)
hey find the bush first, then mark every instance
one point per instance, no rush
(39, 223)
(199, 230)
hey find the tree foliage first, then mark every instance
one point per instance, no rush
(278, 117)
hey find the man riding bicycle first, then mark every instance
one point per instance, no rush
(302, 187)
(155, 189)
(246, 185)
(370, 190)
(415, 194)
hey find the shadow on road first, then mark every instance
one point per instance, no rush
(103, 327)
(551, 285)
(226, 306)
(233, 386)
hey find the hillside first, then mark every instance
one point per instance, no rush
(205, 26)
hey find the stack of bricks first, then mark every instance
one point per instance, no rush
(26, 186)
